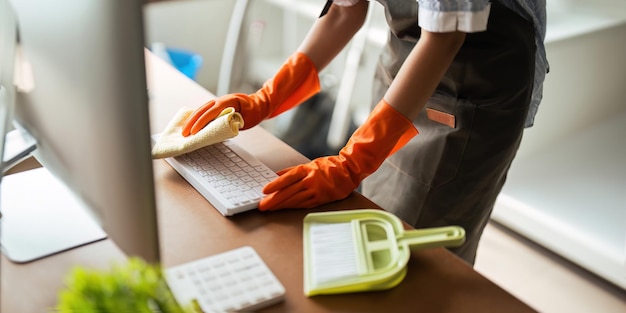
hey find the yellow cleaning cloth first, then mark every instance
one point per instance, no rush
(172, 143)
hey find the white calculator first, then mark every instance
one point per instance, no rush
(235, 280)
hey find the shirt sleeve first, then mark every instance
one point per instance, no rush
(442, 16)
(345, 3)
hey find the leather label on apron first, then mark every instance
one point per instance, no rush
(441, 117)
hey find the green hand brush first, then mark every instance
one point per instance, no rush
(363, 250)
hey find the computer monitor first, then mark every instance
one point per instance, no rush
(8, 37)
(88, 111)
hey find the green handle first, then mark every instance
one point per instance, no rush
(446, 236)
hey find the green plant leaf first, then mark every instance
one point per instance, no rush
(134, 286)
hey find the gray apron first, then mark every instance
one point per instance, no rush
(452, 172)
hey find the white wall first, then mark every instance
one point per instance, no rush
(565, 190)
(586, 83)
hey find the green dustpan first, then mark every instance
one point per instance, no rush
(363, 250)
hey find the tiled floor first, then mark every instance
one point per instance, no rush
(545, 281)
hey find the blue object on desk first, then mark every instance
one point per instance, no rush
(185, 61)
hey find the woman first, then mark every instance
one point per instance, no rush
(466, 74)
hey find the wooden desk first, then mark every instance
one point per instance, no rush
(191, 228)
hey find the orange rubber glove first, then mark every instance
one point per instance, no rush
(296, 81)
(333, 178)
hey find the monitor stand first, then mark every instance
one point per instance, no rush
(41, 217)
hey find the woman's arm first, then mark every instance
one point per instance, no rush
(332, 32)
(419, 75)
(422, 70)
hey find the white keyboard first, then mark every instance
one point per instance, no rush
(229, 177)
(236, 280)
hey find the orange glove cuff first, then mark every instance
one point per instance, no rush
(296, 81)
(383, 133)
(410, 131)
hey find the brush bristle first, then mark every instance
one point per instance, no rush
(334, 252)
